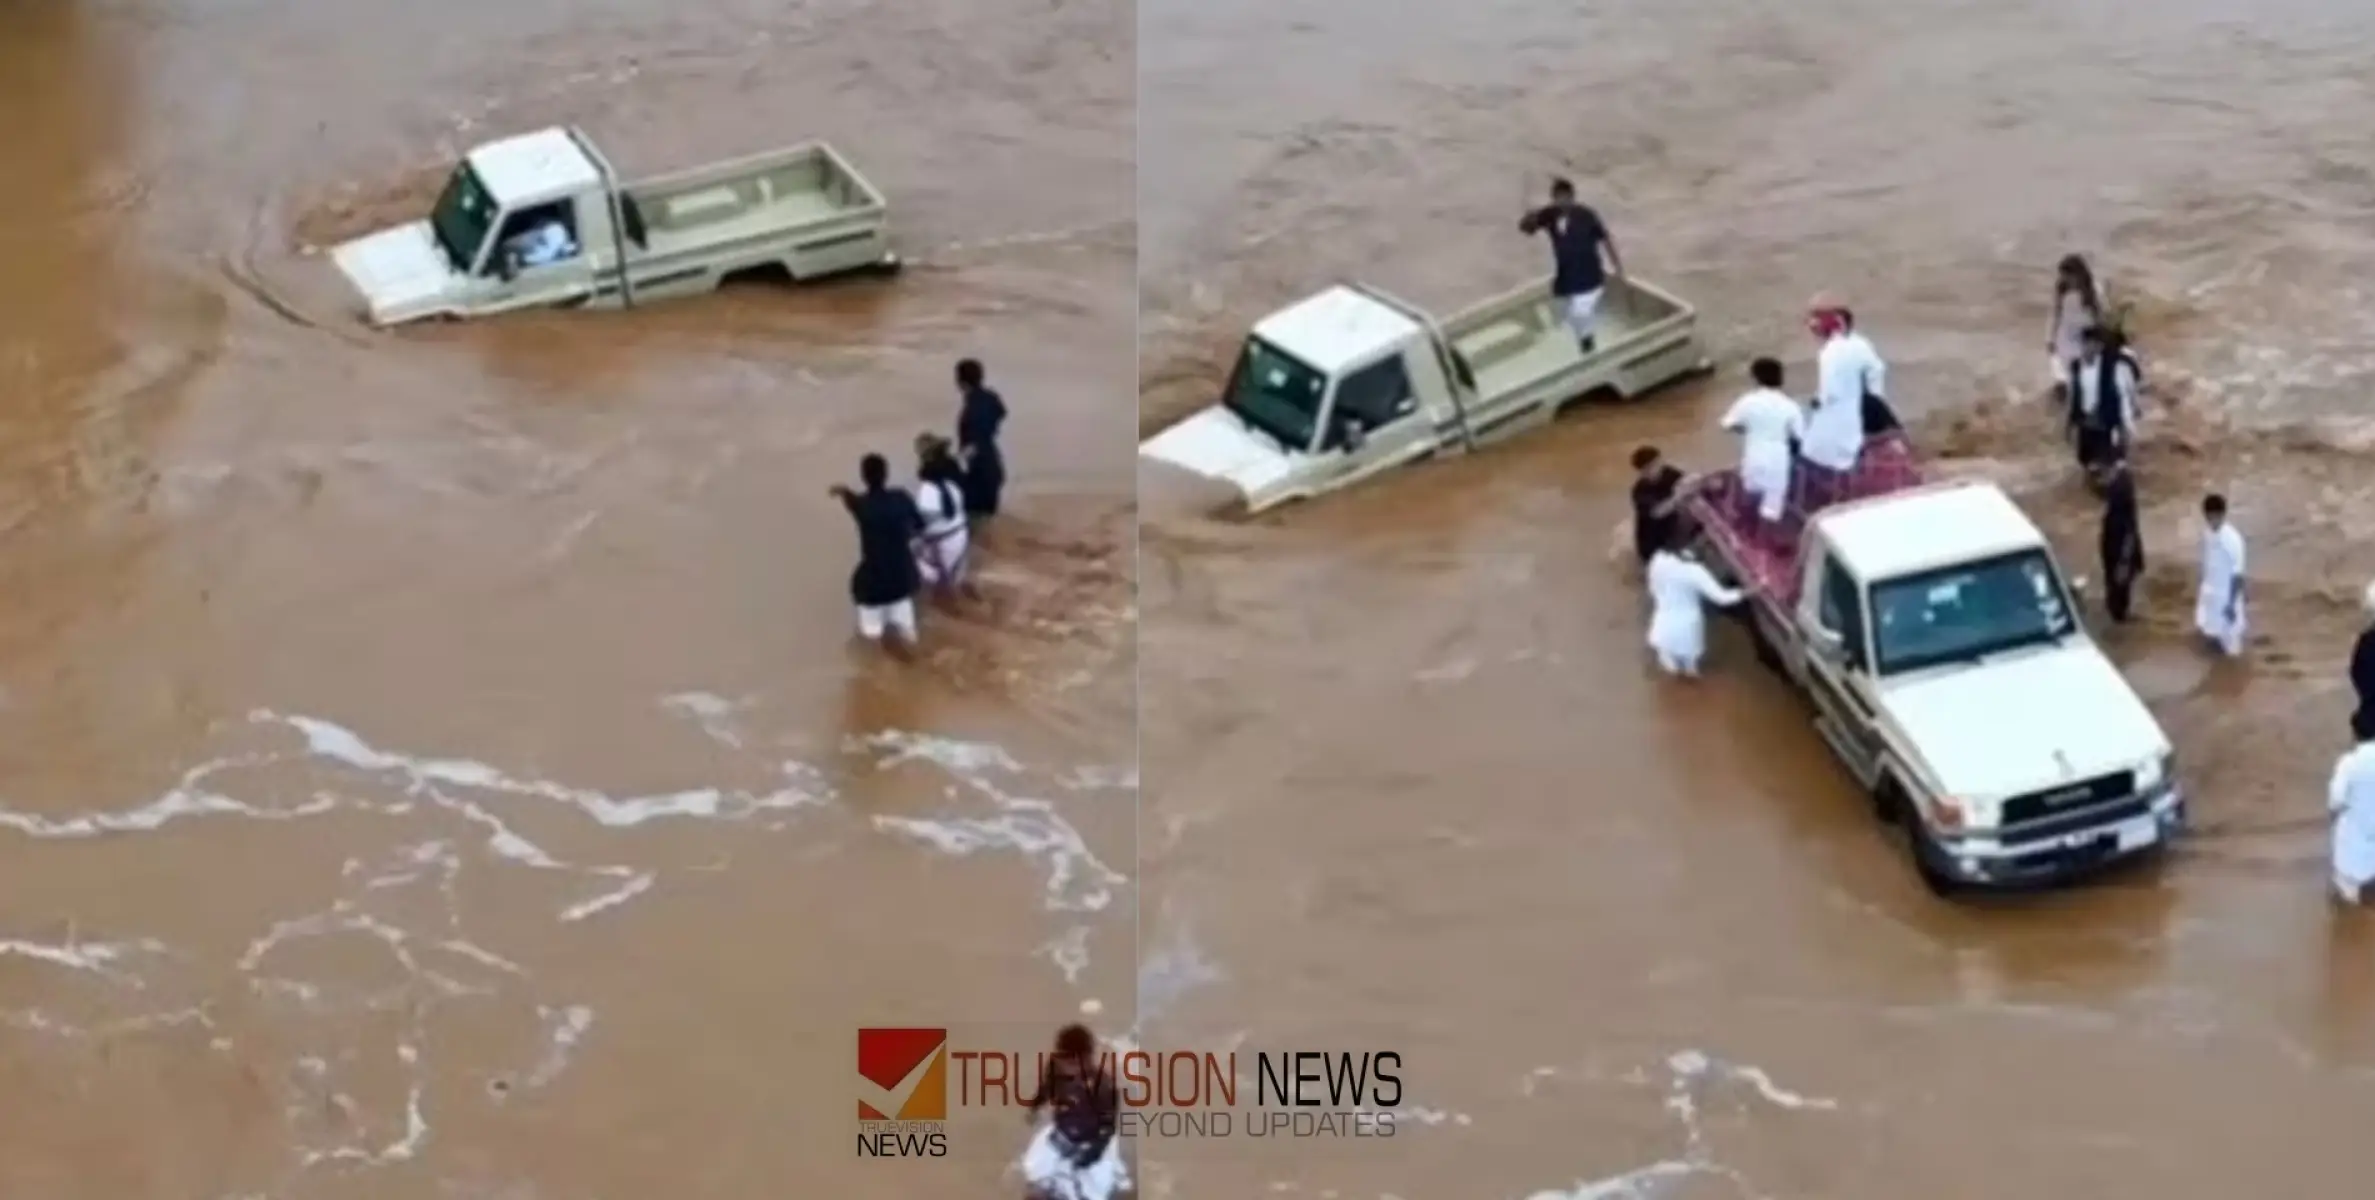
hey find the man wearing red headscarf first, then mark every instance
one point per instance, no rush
(1848, 371)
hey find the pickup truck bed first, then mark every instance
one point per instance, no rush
(1514, 341)
(746, 197)
(1766, 562)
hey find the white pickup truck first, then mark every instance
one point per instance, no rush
(1351, 383)
(541, 220)
(1932, 629)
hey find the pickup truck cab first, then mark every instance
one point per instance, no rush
(541, 220)
(1352, 383)
(1941, 648)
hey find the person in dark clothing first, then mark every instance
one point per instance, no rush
(980, 414)
(2362, 667)
(2122, 542)
(1578, 238)
(1084, 1110)
(2103, 386)
(885, 581)
(1657, 495)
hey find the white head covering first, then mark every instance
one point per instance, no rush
(2367, 598)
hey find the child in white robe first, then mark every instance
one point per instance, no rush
(2218, 606)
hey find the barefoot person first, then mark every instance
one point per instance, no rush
(2218, 606)
(1680, 590)
(943, 548)
(884, 583)
(1579, 272)
(1075, 1155)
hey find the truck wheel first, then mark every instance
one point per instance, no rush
(1938, 882)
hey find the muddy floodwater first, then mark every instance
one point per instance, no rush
(434, 763)
(1408, 780)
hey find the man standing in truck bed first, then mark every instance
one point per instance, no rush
(1577, 240)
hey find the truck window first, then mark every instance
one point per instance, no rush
(540, 235)
(464, 214)
(1969, 611)
(1842, 610)
(1376, 395)
(1276, 393)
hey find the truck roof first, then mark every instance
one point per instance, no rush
(535, 165)
(1337, 328)
(1937, 525)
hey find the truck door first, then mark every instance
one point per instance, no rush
(1837, 657)
(539, 259)
(1374, 422)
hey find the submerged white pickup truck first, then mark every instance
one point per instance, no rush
(541, 220)
(1931, 628)
(1351, 383)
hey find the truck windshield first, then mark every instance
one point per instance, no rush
(462, 217)
(1967, 612)
(1276, 393)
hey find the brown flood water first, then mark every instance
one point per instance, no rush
(434, 763)
(1409, 782)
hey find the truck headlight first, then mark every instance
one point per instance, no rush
(2154, 775)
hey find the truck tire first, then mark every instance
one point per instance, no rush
(1938, 882)
(1889, 803)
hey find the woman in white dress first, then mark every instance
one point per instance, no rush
(1076, 1153)
(944, 549)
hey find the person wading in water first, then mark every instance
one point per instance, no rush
(884, 583)
(1076, 1155)
(981, 413)
(2077, 307)
(2103, 386)
(943, 550)
(2122, 536)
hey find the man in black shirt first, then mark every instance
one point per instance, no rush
(2123, 537)
(1577, 240)
(980, 414)
(1657, 488)
(886, 580)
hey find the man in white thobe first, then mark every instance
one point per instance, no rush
(1679, 592)
(1769, 424)
(2350, 799)
(1846, 370)
(2218, 606)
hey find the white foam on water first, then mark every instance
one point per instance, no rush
(97, 957)
(564, 1029)
(1688, 1074)
(1077, 880)
(713, 713)
(1069, 951)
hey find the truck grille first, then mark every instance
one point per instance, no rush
(2068, 798)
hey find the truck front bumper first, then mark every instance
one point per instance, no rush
(1986, 860)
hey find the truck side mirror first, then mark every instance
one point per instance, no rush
(507, 265)
(1829, 643)
(1354, 435)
